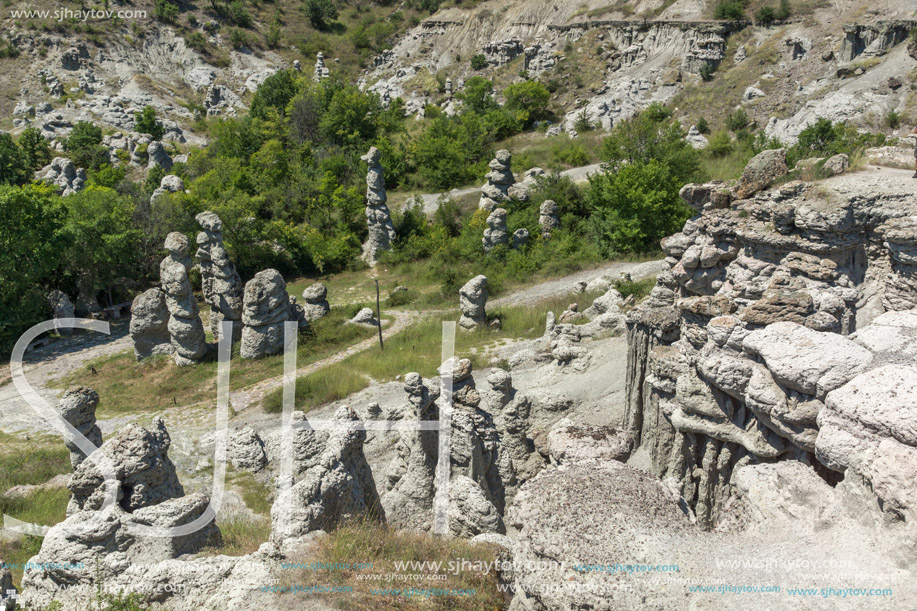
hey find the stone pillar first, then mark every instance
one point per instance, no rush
(495, 233)
(78, 408)
(185, 327)
(499, 180)
(266, 307)
(149, 326)
(220, 282)
(473, 303)
(378, 219)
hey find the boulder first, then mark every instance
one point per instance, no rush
(761, 172)
(548, 218)
(149, 326)
(366, 316)
(316, 302)
(220, 282)
(246, 450)
(499, 181)
(569, 443)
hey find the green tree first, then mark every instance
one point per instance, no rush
(36, 153)
(730, 9)
(530, 98)
(478, 62)
(147, 123)
(85, 146)
(635, 207)
(13, 167)
(350, 117)
(321, 12)
(29, 253)
(478, 95)
(275, 92)
(452, 151)
(165, 11)
(737, 120)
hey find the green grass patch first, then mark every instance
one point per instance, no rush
(370, 543)
(241, 535)
(126, 386)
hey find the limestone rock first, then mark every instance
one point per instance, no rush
(836, 165)
(520, 238)
(548, 218)
(145, 474)
(149, 327)
(266, 307)
(366, 316)
(169, 184)
(62, 174)
(316, 298)
(569, 443)
(321, 72)
(761, 172)
(379, 220)
(185, 327)
(246, 450)
(78, 408)
(496, 232)
(473, 303)
(499, 181)
(220, 282)
(158, 157)
(339, 487)
(470, 511)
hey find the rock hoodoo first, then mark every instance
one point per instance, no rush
(321, 72)
(185, 327)
(496, 232)
(220, 282)
(378, 219)
(316, 302)
(78, 407)
(266, 307)
(778, 334)
(499, 180)
(149, 327)
(548, 218)
(473, 303)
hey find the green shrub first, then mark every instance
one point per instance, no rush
(238, 14)
(720, 144)
(783, 10)
(893, 119)
(321, 12)
(765, 14)
(730, 9)
(706, 72)
(737, 120)
(238, 38)
(196, 41)
(147, 123)
(165, 11)
(703, 126)
(478, 62)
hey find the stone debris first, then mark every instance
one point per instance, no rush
(78, 408)
(62, 174)
(220, 282)
(316, 298)
(496, 233)
(378, 219)
(339, 487)
(61, 307)
(548, 218)
(266, 307)
(149, 326)
(185, 327)
(473, 303)
(499, 180)
(246, 450)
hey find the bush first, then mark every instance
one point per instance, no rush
(320, 13)
(765, 14)
(478, 62)
(583, 123)
(783, 10)
(165, 11)
(703, 126)
(237, 38)
(478, 95)
(706, 72)
(196, 41)
(737, 120)
(274, 93)
(239, 15)
(730, 9)
(893, 119)
(719, 145)
(13, 166)
(273, 36)
(146, 123)
(825, 139)
(530, 97)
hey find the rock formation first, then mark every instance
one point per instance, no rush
(149, 494)
(185, 327)
(499, 180)
(168, 184)
(158, 157)
(316, 298)
(409, 501)
(496, 232)
(548, 218)
(8, 593)
(520, 238)
(337, 488)
(321, 72)
(149, 327)
(246, 450)
(366, 316)
(569, 443)
(220, 282)
(378, 219)
(473, 303)
(78, 407)
(63, 175)
(146, 475)
(778, 334)
(61, 307)
(266, 306)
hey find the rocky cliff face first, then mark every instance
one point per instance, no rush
(780, 333)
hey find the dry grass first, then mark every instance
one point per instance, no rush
(376, 548)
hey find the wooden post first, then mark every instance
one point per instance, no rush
(379, 317)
